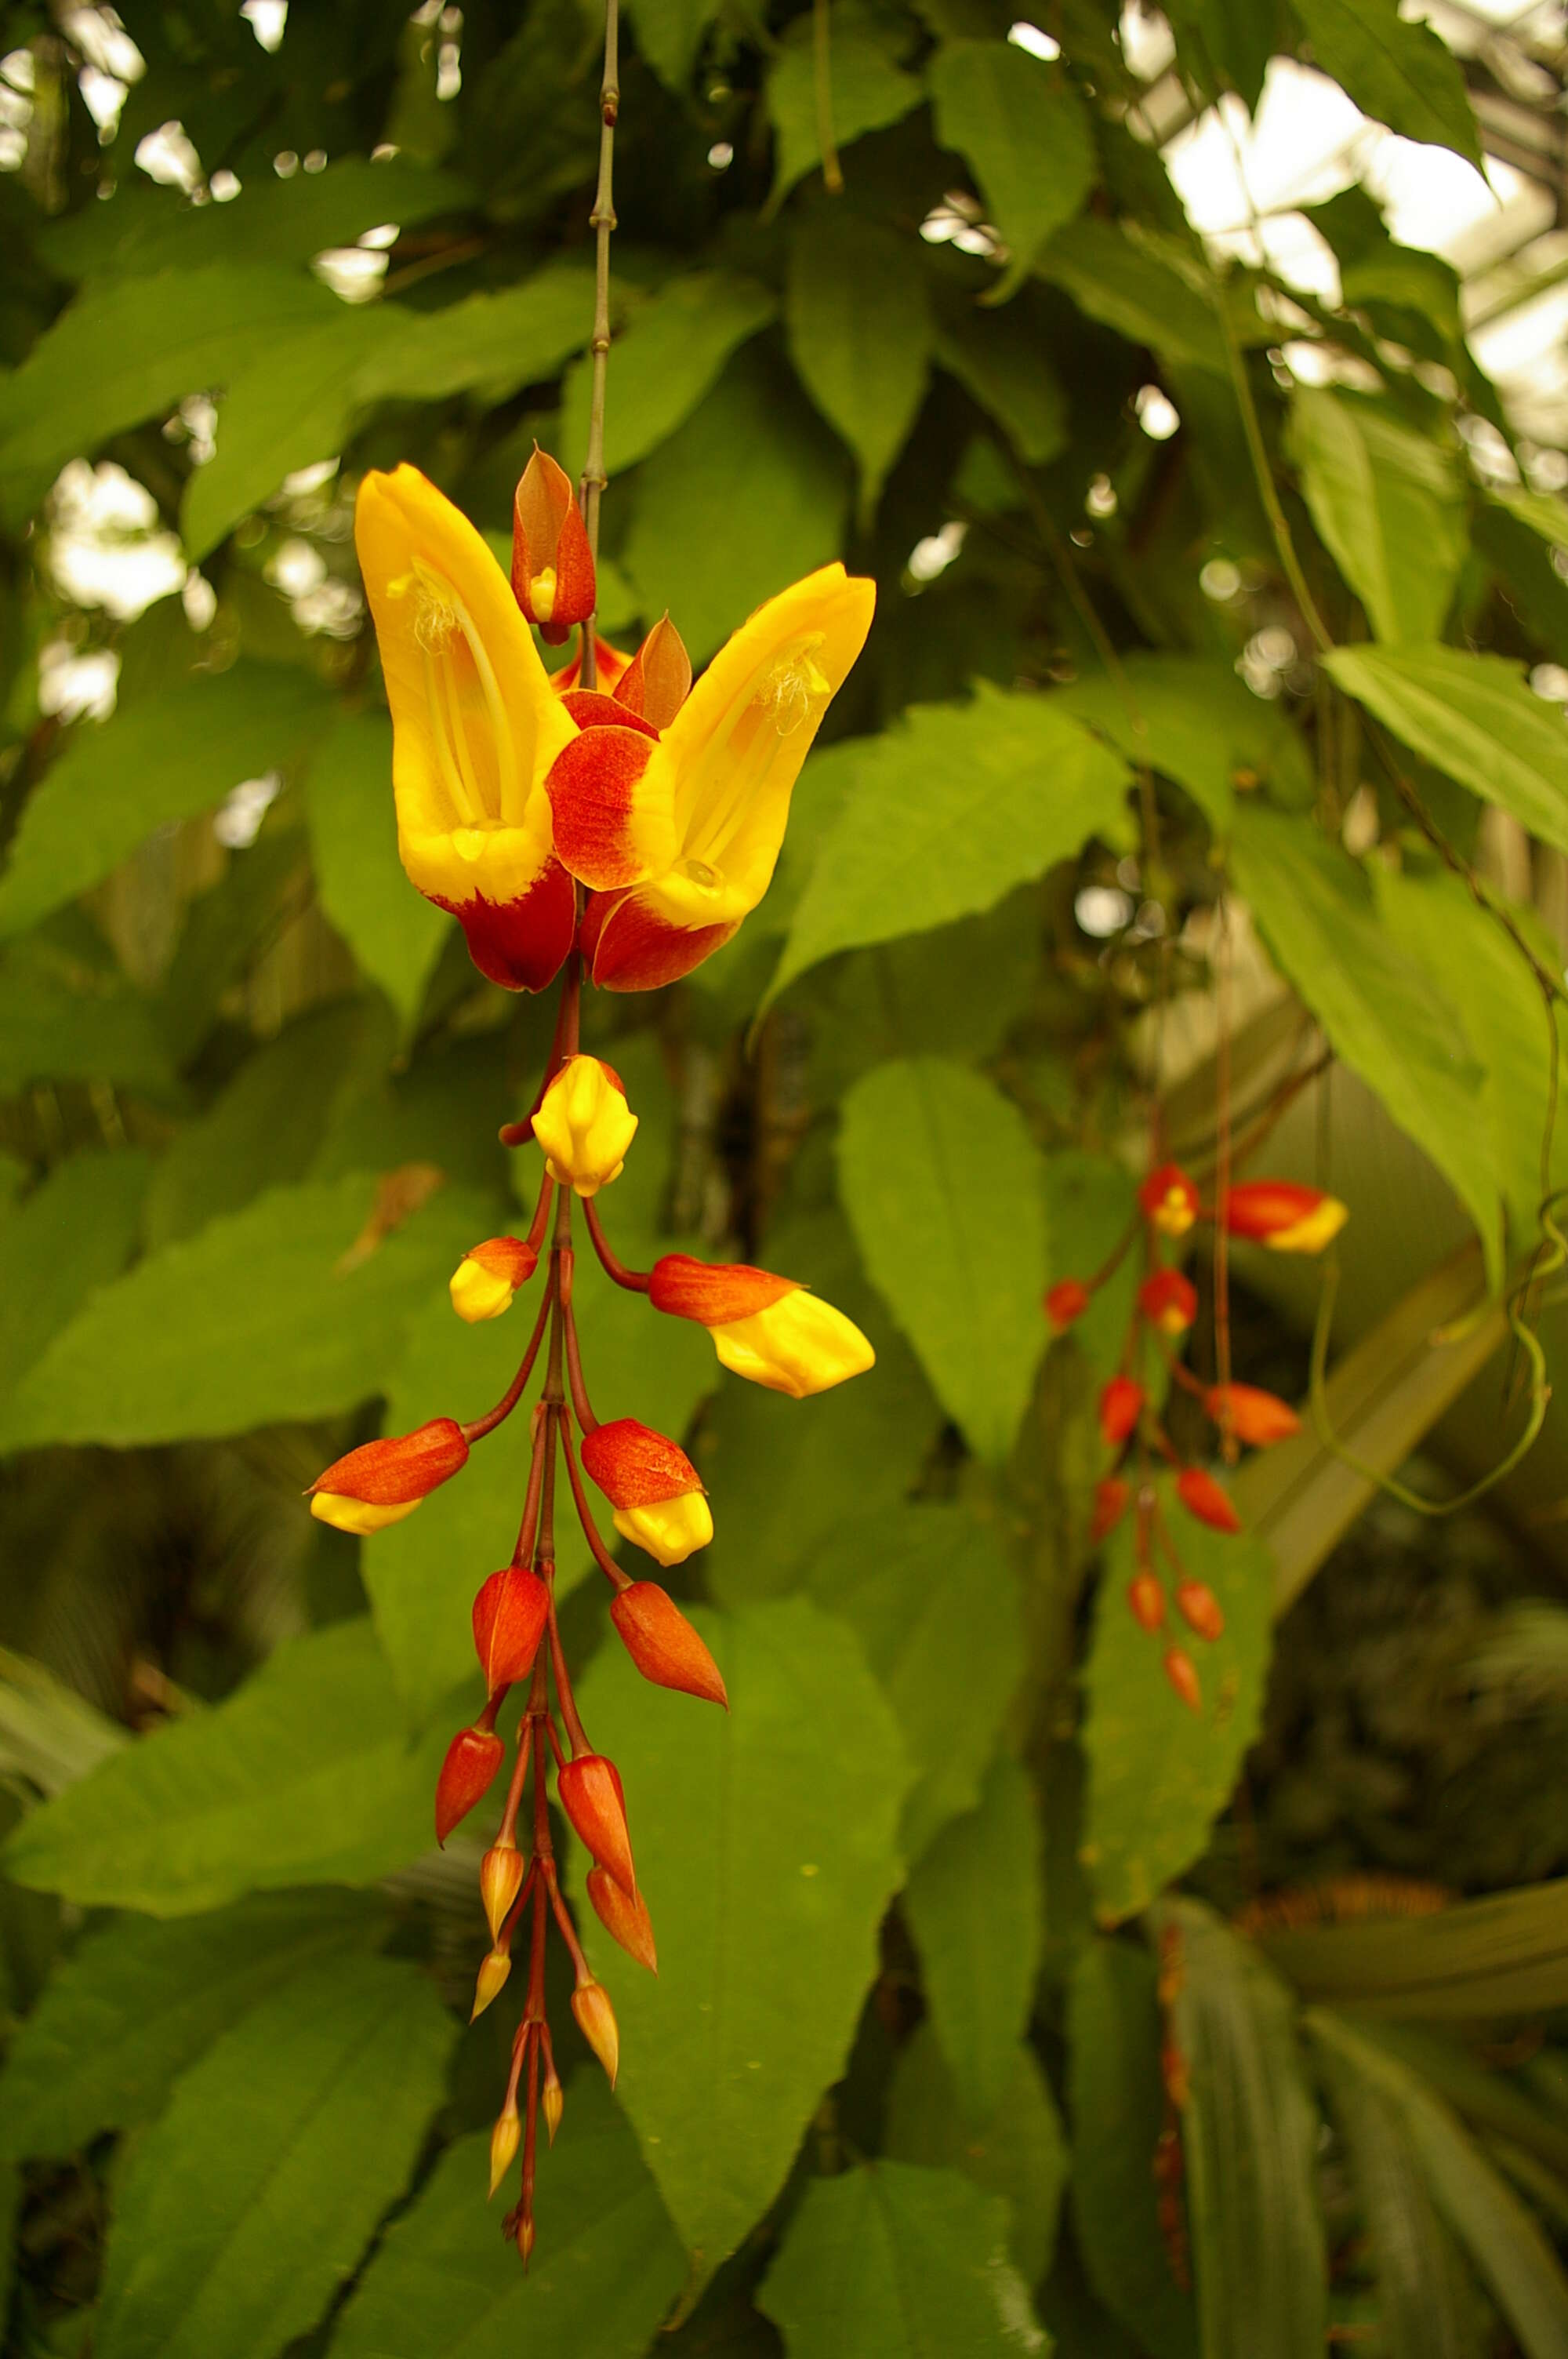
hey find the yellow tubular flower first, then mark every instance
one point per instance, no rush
(669, 1530)
(475, 729)
(798, 1345)
(584, 1126)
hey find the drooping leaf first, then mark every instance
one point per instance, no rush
(1399, 73)
(165, 759)
(73, 1232)
(1389, 504)
(394, 933)
(1018, 2151)
(1160, 1774)
(1195, 722)
(943, 1190)
(859, 335)
(670, 34)
(945, 812)
(1507, 1954)
(606, 2268)
(1020, 127)
(303, 1776)
(243, 2209)
(868, 89)
(995, 356)
(673, 351)
(138, 2002)
(765, 1846)
(61, 1024)
(225, 930)
(975, 1908)
(1124, 281)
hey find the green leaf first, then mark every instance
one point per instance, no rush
(767, 1847)
(672, 354)
(138, 2002)
(166, 758)
(49, 1733)
(943, 1186)
(225, 930)
(1089, 1202)
(751, 449)
(1389, 504)
(1158, 1772)
(256, 1319)
(1020, 127)
(1124, 281)
(606, 2269)
(1317, 916)
(394, 933)
(1399, 73)
(1504, 1955)
(1195, 721)
(1249, 2135)
(1407, 292)
(889, 2262)
(242, 2211)
(670, 36)
(976, 1910)
(73, 1232)
(1473, 718)
(1017, 2152)
(303, 1776)
(945, 813)
(997, 358)
(58, 1023)
(1116, 2099)
(869, 90)
(859, 335)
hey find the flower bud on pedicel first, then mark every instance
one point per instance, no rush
(1168, 1300)
(1067, 1300)
(658, 680)
(505, 2140)
(1202, 1496)
(1253, 1415)
(1120, 1406)
(584, 1126)
(509, 1614)
(472, 1759)
(662, 1643)
(624, 1916)
(552, 566)
(501, 1874)
(1147, 1600)
(591, 1795)
(653, 1487)
(382, 1482)
(769, 1330)
(596, 2021)
(494, 1969)
(1169, 1200)
(1283, 1216)
(488, 1275)
(1200, 1609)
(1110, 1505)
(553, 2097)
(1178, 1668)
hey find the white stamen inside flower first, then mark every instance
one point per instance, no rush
(789, 687)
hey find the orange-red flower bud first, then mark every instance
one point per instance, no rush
(653, 1487)
(591, 1796)
(1120, 1406)
(1168, 1300)
(509, 1614)
(624, 1916)
(662, 1643)
(552, 566)
(714, 1293)
(767, 1328)
(472, 1759)
(1204, 1498)
(1200, 1609)
(1067, 1300)
(655, 683)
(1169, 1200)
(1283, 1215)
(1254, 1415)
(488, 1275)
(1178, 1667)
(596, 2021)
(1147, 1600)
(382, 1482)
(1110, 1505)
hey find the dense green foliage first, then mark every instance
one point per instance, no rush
(989, 2011)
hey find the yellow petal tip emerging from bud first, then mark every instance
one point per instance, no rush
(584, 1126)
(798, 1345)
(596, 2021)
(500, 1881)
(478, 1293)
(1319, 1228)
(361, 1515)
(554, 2104)
(490, 1981)
(505, 2140)
(670, 1529)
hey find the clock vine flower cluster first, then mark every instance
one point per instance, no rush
(620, 820)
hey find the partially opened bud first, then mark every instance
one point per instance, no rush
(488, 1275)
(1283, 1216)
(1169, 1199)
(767, 1328)
(472, 1759)
(1067, 1300)
(624, 1916)
(1168, 1300)
(655, 683)
(1200, 1609)
(505, 2140)
(1178, 1667)
(382, 1482)
(662, 1643)
(1204, 1498)
(552, 2098)
(509, 1615)
(1253, 1415)
(552, 566)
(652, 1486)
(590, 1793)
(1110, 1505)
(1120, 1406)
(584, 1126)
(596, 2021)
(501, 1874)
(524, 2235)
(1147, 1600)
(490, 1982)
